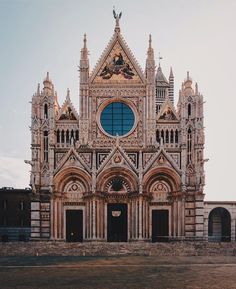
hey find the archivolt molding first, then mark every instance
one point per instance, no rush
(168, 175)
(65, 176)
(105, 178)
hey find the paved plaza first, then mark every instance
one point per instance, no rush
(193, 272)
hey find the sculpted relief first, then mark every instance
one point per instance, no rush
(159, 192)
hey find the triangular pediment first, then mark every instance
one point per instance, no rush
(67, 111)
(167, 112)
(72, 159)
(161, 159)
(117, 64)
(117, 158)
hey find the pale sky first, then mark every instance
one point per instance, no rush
(46, 35)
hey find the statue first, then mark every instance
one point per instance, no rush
(117, 17)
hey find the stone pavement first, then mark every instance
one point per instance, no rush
(52, 248)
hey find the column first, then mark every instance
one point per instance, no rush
(140, 218)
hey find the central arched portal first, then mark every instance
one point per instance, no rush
(118, 184)
(117, 222)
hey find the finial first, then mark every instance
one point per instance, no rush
(187, 75)
(196, 88)
(38, 89)
(47, 77)
(117, 17)
(150, 40)
(68, 94)
(85, 40)
(160, 57)
(171, 73)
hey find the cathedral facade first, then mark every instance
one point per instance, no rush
(129, 166)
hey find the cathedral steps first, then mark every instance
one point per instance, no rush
(53, 248)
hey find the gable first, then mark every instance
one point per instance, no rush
(167, 112)
(117, 65)
(161, 159)
(117, 158)
(67, 112)
(72, 159)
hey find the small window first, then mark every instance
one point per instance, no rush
(158, 136)
(45, 144)
(189, 110)
(176, 136)
(171, 136)
(62, 136)
(67, 136)
(167, 136)
(58, 136)
(45, 111)
(22, 205)
(162, 136)
(77, 135)
(4, 204)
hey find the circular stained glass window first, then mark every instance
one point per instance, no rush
(117, 118)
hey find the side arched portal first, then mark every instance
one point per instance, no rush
(166, 207)
(219, 225)
(68, 206)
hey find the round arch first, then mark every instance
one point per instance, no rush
(219, 225)
(129, 178)
(72, 174)
(167, 175)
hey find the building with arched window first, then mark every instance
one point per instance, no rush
(130, 165)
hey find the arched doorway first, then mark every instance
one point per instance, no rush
(117, 213)
(160, 213)
(166, 211)
(219, 225)
(117, 185)
(68, 205)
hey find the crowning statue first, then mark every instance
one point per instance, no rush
(117, 17)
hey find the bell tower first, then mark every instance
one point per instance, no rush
(190, 107)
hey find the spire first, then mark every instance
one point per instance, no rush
(38, 89)
(150, 52)
(159, 57)
(47, 83)
(187, 86)
(85, 41)
(160, 77)
(150, 41)
(68, 94)
(188, 81)
(171, 73)
(171, 88)
(117, 18)
(150, 63)
(84, 50)
(188, 75)
(196, 88)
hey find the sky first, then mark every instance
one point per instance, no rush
(46, 35)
